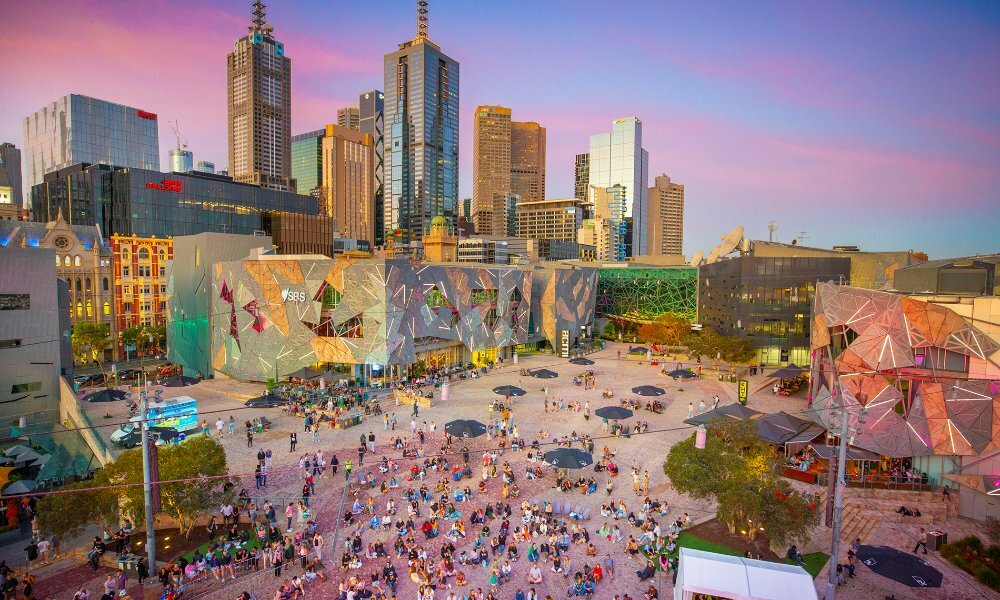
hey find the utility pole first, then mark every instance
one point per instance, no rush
(838, 506)
(147, 477)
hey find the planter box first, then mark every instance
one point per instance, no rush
(803, 476)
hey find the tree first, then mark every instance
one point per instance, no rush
(193, 461)
(742, 473)
(67, 514)
(666, 330)
(718, 347)
(91, 339)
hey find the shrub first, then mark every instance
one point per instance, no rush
(992, 528)
(988, 577)
(948, 550)
(959, 562)
(973, 543)
(993, 554)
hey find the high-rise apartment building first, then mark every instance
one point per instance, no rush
(527, 160)
(348, 193)
(582, 176)
(421, 137)
(490, 167)
(665, 233)
(618, 159)
(10, 182)
(307, 161)
(372, 109)
(80, 129)
(556, 219)
(260, 107)
(349, 117)
(181, 160)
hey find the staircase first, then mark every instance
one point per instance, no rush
(856, 523)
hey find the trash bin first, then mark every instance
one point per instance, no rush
(936, 539)
(356, 419)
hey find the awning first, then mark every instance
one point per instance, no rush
(736, 412)
(701, 572)
(790, 372)
(825, 452)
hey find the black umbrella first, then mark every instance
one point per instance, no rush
(613, 412)
(648, 390)
(508, 390)
(906, 568)
(305, 373)
(790, 372)
(681, 374)
(544, 374)
(465, 428)
(106, 395)
(178, 381)
(581, 361)
(268, 400)
(568, 458)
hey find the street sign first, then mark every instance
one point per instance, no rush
(744, 391)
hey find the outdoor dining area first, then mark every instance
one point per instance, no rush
(790, 380)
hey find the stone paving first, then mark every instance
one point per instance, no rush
(469, 399)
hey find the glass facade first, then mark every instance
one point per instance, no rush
(421, 141)
(372, 107)
(642, 294)
(768, 300)
(73, 191)
(181, 161)
(80, 129)
(147, 203)
(617, 158)
(307, 160)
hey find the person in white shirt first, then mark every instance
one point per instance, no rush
(219, 425)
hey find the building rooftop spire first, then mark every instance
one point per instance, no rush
(260, 24)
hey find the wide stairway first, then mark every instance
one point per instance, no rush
(863, 509)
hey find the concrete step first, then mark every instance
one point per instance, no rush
(868, 529)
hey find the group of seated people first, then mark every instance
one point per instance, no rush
(787, 387)
(802, 459)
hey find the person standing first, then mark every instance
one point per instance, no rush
(690, 409)
(416, 411)
(921, 541)
(715, 402)
(701, 406)
(347, 469)
(371, 441)
(289, 513)
(249, 438)
(393, 422)
(609, 566)
(204, 427)
(293, 440)
(232, 425)
(219, 425)
(385, 422)
(258, 476)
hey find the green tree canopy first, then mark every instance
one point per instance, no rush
(710, 343)
(91, 339)
(742, 472)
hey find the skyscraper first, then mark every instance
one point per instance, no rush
(260, 107)
(582, 178)
(421, 138)
(490, 168)
(527, 161)
(610, 206)
(205, 166)
(181, 160)
(307, 161)
(665, 233)
(80, 129)
(371, 107)
(349, 117)
(618, 159)
(348, 193)
(508, 160)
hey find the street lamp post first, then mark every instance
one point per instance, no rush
(147, 476)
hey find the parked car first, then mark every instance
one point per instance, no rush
(128, 374)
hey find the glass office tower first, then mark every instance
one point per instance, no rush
(421, 139)
(372, 108)
(617, 158)
(80, 129)
(307, 161)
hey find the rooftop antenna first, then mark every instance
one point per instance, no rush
(422, 19)
(772, 226)
(801, 236)
(260, 24)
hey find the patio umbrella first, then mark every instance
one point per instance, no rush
(900, 566)
(735, 411)
(581, 361)
(648, 390)
(178, 381)
(24, 486)
(568, 458)
(790, 372)
(15, 450)
(267, 401)
(27, 457)
(508, 390)
(682, 374)
(613, 412)
(42, 460)
(305, 373)
(544, 374)
(106, 395)
(465, 428)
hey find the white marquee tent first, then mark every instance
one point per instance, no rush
(740, 578)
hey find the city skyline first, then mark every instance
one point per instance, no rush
(805, 117)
